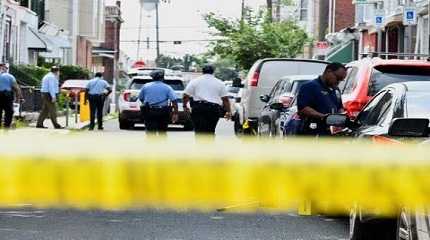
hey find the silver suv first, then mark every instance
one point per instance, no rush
(260, 80)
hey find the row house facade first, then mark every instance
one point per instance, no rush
(393, 34)
(319, 18)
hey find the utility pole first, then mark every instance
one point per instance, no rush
(157, 26)
(428, 24)
(75, 30)
(243, 11)
(140, 30)
(379, 44)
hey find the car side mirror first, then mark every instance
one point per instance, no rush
(409, 127)
(238, 83)
(264, 98)
(336, 120)
(238, 99)
(277, 106)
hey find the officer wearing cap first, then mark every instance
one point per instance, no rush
(156, 98)
(96, 92)
(210, 101)
(50, 89)
(8, 86)
(319, 98)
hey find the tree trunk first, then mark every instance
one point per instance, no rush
(270, 9)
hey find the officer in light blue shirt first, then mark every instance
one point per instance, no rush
(96, 92)
(156, 97)
(50, 89)
(8, 86)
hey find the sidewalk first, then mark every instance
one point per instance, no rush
(72, 124)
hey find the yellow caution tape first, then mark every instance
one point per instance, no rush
(131, 171)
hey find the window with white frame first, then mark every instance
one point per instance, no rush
(303, 10)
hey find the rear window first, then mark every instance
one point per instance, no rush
(386, 75)
(274, 70)
(177, 85)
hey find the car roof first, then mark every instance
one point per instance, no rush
(167, 78)
(417, 86)
(75, 83)
(299, 77)
(379, 61)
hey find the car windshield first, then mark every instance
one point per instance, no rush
(177, 85)
(388, 74)
(417, 105)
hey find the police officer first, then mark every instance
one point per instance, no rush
(96, 92)
(50, 90)
(319, 98)
(210, 101)
(156, 97)
(8, 86)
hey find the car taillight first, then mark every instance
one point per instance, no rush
(254, 80)
(127, 97)
(354, 107)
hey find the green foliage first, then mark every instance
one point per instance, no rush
(168, 62)
(73, 72)
(28, 75)
(254, 38)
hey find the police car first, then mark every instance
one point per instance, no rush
(129, 104)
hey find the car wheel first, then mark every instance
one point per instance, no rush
(188, 126)
(238, 130)
(404, 227)
(124, 125)
(376, 229)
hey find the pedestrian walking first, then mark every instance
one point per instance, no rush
(50, 90)
(319, 98)
(210, 101)
(8, 89)
(96, 92)
(157, 100)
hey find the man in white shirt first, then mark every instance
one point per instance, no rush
(210, 101)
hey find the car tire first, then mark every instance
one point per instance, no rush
(125, 125)
(188, 126)
(377, 229)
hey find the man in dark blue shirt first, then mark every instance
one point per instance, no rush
(319, 98)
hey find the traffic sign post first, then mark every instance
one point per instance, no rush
(410, 16)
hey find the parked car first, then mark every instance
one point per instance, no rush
(368, 76)
(277, 102)
(400, 111)
(261, 78)
(129, 104)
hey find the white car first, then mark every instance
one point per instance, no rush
(129, 104)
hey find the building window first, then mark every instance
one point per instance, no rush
(303, 10)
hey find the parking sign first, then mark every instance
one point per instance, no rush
(379, 19)
(409, 16)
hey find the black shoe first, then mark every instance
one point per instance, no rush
(100, 128)
(41, 127)
(59, 127)
(91, 129)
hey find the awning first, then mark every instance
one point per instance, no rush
(56, 46)
(103, 52)
(342, 53)
(34, 41)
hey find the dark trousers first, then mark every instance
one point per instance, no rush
(96, 106)
(49, 109)
(6, 105)
(156, 119)
(205, 117)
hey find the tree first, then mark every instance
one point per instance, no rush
(169, 62)
(254, 38)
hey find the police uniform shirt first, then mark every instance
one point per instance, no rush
(157, 94)
(97, 86)
(207, 88)
(50, 85)
(317, 95)
(6, 82)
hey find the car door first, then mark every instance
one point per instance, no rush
(265, 119)
(376, 117)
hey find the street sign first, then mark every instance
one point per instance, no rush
(379, 19)
(410, 16)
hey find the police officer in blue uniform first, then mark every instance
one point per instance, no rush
(96, 92)
(319, 98)
(156, 98)
(8, 86)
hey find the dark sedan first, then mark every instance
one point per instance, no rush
(278, 102)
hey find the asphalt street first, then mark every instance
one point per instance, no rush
(24, 222)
